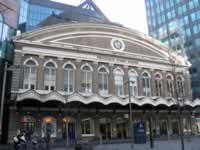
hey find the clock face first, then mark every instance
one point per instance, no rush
(117, 44)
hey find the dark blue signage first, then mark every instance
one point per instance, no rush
(139, 133)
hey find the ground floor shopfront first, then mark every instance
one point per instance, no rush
(96, 121)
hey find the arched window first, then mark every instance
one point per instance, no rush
(103, 80)
(180, 86)
(50, 76)
(86, 79)
(158, 84)
(119, 81)
(69, 78)
(170, 86)
(133, 82)
(146, 84)
(30, 74)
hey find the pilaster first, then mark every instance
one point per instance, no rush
(95, 81)
(40, 73)
(78, 75)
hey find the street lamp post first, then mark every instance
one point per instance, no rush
(179, 105)
(67, 122)
(130, 114)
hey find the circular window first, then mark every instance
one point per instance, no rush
(117, 44)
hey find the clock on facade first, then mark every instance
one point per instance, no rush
(117, 44)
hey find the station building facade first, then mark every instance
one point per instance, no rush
(76, 75)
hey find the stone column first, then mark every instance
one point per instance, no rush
(17, 72)
(140, 86)
(60, 75)
(95, 81)
(153, 89)
(78, 76)
(164, 83)
(169, 126)
(78, 127)
(187, 85)
(96, 128)
(126, 84)
(111, 80)
(157, 124)
(40, 73)
(113, 126)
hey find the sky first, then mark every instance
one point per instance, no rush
(130, 13)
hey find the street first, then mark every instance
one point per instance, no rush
(190, 144)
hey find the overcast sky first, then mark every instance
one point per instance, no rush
(130, 13)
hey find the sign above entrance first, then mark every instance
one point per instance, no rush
(117, 44)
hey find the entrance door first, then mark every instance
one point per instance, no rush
(175, 128)
(163, 128)
(105, 130)
(121, 130)
(71, 130)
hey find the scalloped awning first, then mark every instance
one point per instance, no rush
(44, 96)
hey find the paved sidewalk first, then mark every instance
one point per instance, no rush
(6, 147)
(194, 144)
(190, 144)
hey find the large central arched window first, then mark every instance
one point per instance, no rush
(50, 76)
(119, 81)
(180, 86)
(86, 78)
(146, 84)
(158, 84)
(69, 78)
(170, 86)
(103, 80)
(30, 74)
(133, 82)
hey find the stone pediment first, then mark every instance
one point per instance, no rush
(100, 38)
(105, 42)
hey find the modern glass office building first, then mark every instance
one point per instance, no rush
(177, 23)
(32, 12)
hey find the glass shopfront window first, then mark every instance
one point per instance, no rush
(87, 127)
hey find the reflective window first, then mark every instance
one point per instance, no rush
(50, 76)
(170, 86)
(197, 42)
(86, 79)
(103, 81)
(158, 84)
(30, 75)
(119, 81)
(39, 13)
(133, 83)
(182, 9)
(69, 78)
(193, 4)
(87, 126)
(180, 87)
(146, 84)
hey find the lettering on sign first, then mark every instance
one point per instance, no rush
(116, 60)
